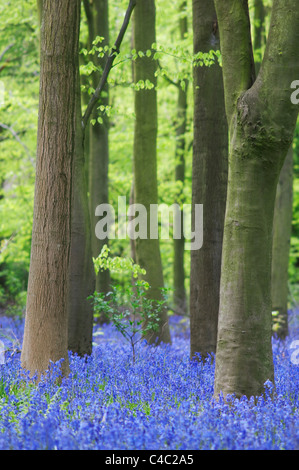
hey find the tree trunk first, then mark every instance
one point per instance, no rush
(259, 38)
(145, 156)
(282, 228)
(179, 291)
(261, 123)
(46, 321)
(282, 223)
(99, 139)
(82, 274)
(209, 183)
(39, 5)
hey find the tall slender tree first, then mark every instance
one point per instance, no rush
(61, 272)
(259, 34)
(209, 182)
(97, 14)
(145, 155)
(82, 275)
(282, 230)
(282, 222)
(261, 119)
(179, 291)
(46, 321)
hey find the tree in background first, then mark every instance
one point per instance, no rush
(179, 291)
(82, 272)
(61, 269)
(80, 323)
(98, 154)
(261, 119)
(282, 230)
(283, 212)
(209, 182)
(145, 155)
(46, 322)
(19, 69)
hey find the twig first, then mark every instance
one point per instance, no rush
(180, 312)
(108, 66)
(5, 50)
(7, 242)
(166, 77)
(16, 136)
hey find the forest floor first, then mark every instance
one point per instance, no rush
(161, 401)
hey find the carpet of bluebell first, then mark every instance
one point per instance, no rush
(163, 401)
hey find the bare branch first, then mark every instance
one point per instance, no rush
(16, 136)
(5, 50)
(5, 243)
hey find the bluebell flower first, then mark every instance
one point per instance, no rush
(164, 401)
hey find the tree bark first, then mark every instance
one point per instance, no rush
(261, 121)
(99, 138)
(209, 182)
(145, 156)
(46, 321)
(179, 291)
(282, 223)
(82, 274)
(282, 228)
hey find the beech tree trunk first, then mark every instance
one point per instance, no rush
(282, 229)
(209, 182)
(179, 291)
(261, 121)
(46, 321)
(82, 274)
(282, 224)
(98, 24)
(145, 156)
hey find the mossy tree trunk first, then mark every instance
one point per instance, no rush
(261, 121)
(282, 223)
(46, 321)
(145, 156)
(209, 182)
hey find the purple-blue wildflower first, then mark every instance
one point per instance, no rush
(163, 401)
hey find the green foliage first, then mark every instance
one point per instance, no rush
(116, 264)
(19, 72)
(128, 307)
(132, 313)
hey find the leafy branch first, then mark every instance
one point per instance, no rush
(114, 52)
(131, 312)
(116, 263)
